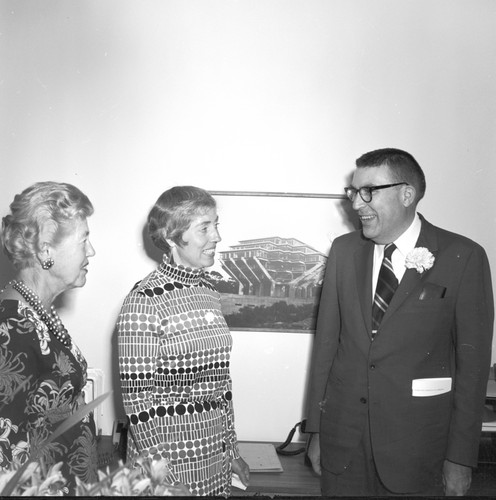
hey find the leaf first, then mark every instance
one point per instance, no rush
(64, 426)
(75, 418)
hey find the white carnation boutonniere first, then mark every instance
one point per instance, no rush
(420, 259)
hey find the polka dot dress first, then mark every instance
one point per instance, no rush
(174, 351)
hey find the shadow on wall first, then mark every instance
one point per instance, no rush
(349, 215)
(150, 249)
(346, 208)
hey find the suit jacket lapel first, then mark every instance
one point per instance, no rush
(412, 279)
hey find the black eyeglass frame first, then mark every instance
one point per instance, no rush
(368, 190)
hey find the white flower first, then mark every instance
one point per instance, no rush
(420, 259)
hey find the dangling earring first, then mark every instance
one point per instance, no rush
(171, 254)
(48, 263)
(171, 250)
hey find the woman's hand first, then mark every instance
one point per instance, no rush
(240, 467)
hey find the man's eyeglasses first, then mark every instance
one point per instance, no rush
(366, 191)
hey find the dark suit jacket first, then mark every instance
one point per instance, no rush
(438, 324)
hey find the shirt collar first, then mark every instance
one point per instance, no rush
(407, 241)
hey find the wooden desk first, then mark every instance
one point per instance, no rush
(296, 479)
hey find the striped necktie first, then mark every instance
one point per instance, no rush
(386, 286)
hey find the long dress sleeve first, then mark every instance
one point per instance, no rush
(138, 342)
(231, 438)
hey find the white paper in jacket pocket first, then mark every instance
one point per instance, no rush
(425, 387)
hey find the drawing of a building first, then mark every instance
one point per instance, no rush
(274, 267)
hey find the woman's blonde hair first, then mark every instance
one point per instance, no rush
(45, 208)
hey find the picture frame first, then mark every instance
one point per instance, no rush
(271, 260)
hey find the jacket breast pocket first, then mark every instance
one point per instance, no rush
(439, 304)
(432, 291)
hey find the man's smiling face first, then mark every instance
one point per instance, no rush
(390, 212)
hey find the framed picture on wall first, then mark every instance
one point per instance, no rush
(271, 260)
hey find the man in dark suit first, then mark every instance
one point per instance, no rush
(396, 402)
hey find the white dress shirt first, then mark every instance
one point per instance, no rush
(404, 245)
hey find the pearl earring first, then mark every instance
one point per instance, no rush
(48, 263)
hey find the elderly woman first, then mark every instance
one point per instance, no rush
(174, 351)
(42, 371)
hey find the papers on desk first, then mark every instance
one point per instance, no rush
(236, 482)
(260, 457)
(488, 426)
(488, 419)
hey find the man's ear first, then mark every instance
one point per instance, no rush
(409, 195)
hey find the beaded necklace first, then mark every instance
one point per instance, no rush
(51, 320)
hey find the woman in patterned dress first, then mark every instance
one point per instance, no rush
(42, 372)
(174, 352)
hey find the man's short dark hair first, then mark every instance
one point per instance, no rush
(403, 166)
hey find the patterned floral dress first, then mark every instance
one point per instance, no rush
(174, 351)
(53, 392)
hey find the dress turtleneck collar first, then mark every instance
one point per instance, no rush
(177, 272)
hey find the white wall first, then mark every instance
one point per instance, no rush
(125, 98)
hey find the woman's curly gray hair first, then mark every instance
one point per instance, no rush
(173, 213)
(46, 208)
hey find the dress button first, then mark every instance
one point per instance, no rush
(363, 400)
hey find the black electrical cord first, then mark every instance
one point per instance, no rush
(280, 449)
